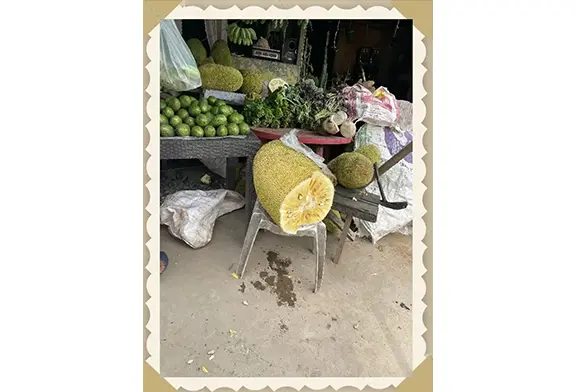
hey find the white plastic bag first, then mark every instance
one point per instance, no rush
(191, 215)
(397, 182)
(178, 70)
(290, 139)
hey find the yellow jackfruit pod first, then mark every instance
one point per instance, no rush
(291, 187)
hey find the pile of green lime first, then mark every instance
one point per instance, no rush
(206, 117)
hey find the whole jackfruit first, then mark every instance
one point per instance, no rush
(371, 152)
(220, 77)
(253, 83)
(291, 187)
(220, 52)
(207, 60)
(198, 50)
(353, 170)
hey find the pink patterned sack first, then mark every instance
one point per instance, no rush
(378, 108)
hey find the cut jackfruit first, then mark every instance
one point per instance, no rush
(291, 187)
(353, 170)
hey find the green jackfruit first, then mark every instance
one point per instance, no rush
(207, 60)
(353, 170)
(291, 187)
(220, 77)
(371, 152)
(220, 52)
(198, 50)
(252, 83)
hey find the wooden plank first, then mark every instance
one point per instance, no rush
(342, 240)
(305, 136)
(358, 208)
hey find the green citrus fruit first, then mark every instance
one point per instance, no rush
(166, 130)
(222, 130)
(214, 110)
(244, 128)
(225, 110)
(235, 118)
(189, 121)
(183, 130)
(197, 131)
(204, 107)
(219, 103)
(209, 131)
(194, 110)
(174, 103)
(202, 120)
(183, 113)
(168, 112)
(175, 121)
(211, 100)
(163, 119)
(233, 130)
(218, 120)
(162, 104)
(185, 101)
(203, 101)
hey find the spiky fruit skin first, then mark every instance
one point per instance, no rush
(278, 171)
(371, 152)
(207, 60)
(353, 170)
(220, 77)
(252, 83)
(220, 52)
(198, 50)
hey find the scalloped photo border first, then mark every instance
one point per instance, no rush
(421, 341)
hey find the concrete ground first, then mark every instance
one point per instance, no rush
(358, 325)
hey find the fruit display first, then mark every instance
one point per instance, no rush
(241, 35)
(291, 187)
(220, 77)
(352, 170)
(206, 117)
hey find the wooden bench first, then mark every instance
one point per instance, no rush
(361, 204)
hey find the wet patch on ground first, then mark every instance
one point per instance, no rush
(280, 284)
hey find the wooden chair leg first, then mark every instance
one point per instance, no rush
(342, 239)
(249, 239)
(320, 246)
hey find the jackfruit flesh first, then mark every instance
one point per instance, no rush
(371, 152)
(220, 77)
(291, 187)
(353, 170)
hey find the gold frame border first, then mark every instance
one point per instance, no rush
(420, 12)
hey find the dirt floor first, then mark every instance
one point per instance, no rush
(270, 323)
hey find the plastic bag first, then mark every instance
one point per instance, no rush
(378, 108)
(178, 70)
(191, 215)
(290, 139)
(397, 182)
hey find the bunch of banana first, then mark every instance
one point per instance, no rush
(278, 23)
(241, 35)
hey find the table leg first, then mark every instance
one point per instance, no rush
(249, 192)
(231, 164)
(342, 239)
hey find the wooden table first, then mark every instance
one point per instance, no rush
(310, 138)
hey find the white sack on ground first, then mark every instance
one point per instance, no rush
(396, 182)
(191, 215)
